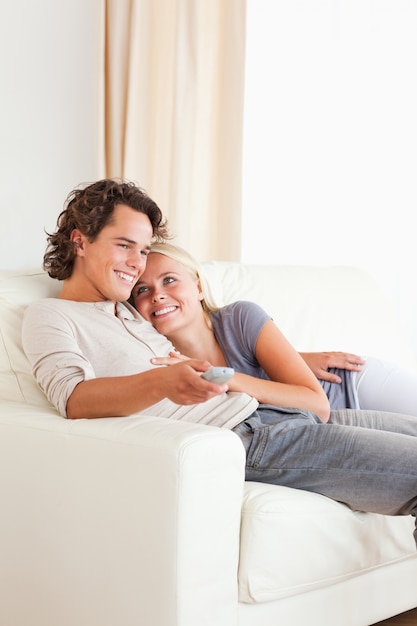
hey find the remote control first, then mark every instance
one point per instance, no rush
(218, 375)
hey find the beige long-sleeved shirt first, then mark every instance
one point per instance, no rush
(69, 342)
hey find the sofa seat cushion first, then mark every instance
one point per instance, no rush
(276, 530)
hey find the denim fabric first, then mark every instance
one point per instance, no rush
(365, 459)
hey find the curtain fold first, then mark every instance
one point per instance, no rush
(173, 112)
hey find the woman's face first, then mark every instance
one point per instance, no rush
(167, 295)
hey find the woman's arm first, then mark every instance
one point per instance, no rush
(292, 383)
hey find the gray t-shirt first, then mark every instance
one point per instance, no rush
(237, 326)
(68, 342)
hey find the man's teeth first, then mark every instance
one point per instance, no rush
(167, 309)
(127, 277)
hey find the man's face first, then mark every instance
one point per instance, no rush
(107, 268)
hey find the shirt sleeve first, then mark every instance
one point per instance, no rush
(54, 354)
(237, 327)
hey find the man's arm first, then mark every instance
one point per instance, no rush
(319, 362)
(52, 335)
(124, 395)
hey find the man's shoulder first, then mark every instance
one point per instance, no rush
(50, 310)
(44, 304)
(50, 304)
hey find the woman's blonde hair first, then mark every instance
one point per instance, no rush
(182, 256)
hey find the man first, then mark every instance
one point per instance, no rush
(91, 354)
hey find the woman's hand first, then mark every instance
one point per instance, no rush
(172, 359)
(320, 362)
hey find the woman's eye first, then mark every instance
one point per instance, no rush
(169, 279)
(141, 290)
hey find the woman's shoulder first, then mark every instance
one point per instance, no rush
(240, 313)
(242, 308)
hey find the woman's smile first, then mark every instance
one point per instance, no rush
(166, 310)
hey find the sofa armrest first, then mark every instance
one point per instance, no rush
(108, 517)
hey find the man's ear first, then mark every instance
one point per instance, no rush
(77, 239)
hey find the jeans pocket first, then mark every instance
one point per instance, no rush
(259, 441)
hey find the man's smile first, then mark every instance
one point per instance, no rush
(129, 278)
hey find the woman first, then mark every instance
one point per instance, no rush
(175, 297)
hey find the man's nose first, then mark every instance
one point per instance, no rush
(137, 260)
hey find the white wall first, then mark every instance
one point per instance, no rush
(49, 117)
(330, 148)
(330, 131)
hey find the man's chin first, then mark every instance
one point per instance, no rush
(120, 295)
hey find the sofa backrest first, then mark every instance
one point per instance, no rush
(17, 290)
(318, 308)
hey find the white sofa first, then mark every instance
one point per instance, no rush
(148, 522)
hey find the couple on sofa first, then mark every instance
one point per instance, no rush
(94, 355)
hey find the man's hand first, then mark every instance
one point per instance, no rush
(320, 362)
(124, 395)
(182, 382)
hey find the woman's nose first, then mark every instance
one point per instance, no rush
(157, 295)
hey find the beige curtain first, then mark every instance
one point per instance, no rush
(173, 113)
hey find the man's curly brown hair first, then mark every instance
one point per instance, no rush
(89, 210)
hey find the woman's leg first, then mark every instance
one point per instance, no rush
(375, 420)
(385, 386)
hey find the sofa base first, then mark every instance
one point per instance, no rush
(359, 601)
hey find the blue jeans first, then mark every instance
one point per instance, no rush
(365, 459)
